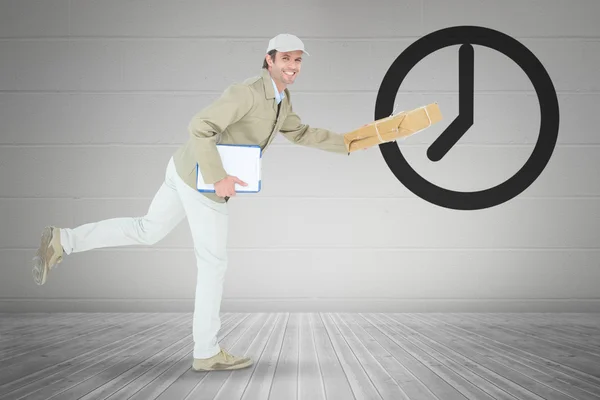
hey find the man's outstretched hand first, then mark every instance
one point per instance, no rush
(226, 186)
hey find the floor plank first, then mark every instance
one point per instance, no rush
(392, 380)
(29, 381)
(571, 381)
(517, 384)
(427, 384)
(310, 382)
(237, 383)
(471, 385)
(550, 335)
(285, 378)
(360, 382)
(335, 380)
(439, 356)
(575, 365)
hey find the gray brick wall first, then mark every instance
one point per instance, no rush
(95, 95)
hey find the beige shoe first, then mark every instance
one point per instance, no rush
(223, 361)
(48, 255)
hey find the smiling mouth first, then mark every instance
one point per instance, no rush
(290, 73)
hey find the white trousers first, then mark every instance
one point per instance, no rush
(208, 224)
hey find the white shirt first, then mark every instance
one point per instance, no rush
(278, 96)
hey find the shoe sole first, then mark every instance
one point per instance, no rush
(233, 367)
(43, 257)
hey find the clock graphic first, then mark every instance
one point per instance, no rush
(466, 36)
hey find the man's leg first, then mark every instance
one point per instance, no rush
(208, 224)
(164, 214)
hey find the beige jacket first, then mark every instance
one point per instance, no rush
(246, 113)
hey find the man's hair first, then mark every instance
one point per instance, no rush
(272, 55)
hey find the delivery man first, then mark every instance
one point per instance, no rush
(251, 112)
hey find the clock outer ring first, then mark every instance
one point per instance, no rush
(547, 99)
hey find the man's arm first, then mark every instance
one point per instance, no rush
(297, 132)
(206, 125)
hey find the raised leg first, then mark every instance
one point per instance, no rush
(164, 214)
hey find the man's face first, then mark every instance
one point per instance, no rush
(286, 67)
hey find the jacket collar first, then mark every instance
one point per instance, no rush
(270, 90)
(268, 85)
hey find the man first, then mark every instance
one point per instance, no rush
(251, 112)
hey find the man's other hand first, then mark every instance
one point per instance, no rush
(226, 186)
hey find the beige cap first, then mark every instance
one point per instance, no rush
(286, 42)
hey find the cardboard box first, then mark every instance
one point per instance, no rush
(400, 125)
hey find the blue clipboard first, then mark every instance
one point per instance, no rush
(241, 160)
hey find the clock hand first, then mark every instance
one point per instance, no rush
(464, 120)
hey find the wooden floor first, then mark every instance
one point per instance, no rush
(304, 356)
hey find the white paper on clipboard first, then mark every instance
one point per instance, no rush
(243, 161)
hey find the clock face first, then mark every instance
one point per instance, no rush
(465, 36)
